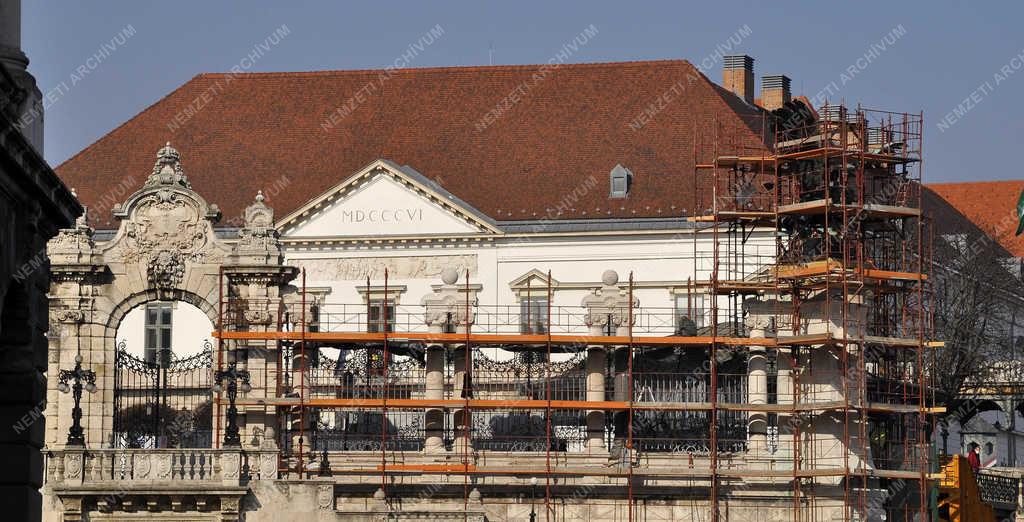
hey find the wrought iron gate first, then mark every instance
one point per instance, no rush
(165, 403)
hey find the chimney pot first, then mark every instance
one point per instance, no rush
(738, 76)
(775, 91)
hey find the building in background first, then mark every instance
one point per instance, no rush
(34, 204)
(614, 290)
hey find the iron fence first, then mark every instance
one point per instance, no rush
(163, 403)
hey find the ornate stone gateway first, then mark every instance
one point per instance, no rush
(150, 428)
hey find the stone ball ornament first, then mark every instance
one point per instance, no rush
(449, 276)
(610, 278)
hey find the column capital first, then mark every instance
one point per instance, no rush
(609, 304)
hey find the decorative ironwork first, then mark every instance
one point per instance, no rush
(162, 404)
(996, 488)
(231, 377)
(524, 363)
(77, 376)
(361, 431)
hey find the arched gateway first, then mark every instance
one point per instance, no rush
(165, 251)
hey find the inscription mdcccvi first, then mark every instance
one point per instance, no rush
(382, 215)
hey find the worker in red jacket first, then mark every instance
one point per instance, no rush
(974, 456)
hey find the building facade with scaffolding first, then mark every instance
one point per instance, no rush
(389, 350)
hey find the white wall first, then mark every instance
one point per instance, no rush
(190, 328)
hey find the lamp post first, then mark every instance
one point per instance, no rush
(533, 498)
(76, 435)
(230, 378)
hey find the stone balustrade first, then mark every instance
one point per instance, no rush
(152, 468)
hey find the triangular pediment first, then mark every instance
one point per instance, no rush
(384, 199)
(534, 280)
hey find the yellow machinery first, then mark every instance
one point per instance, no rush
(959, 496)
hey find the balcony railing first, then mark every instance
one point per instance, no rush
(999, 489)
(151, 468)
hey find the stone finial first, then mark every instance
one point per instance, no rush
(610, 278)
(450, 275)
(448, 301)
(167, 169)
(258, 215)
(258, 239)
(72, 245)
(82, 221)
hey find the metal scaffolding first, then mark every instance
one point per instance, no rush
(817, 238)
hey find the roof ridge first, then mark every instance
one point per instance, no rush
(453, 68)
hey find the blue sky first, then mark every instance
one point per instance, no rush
(958, 62)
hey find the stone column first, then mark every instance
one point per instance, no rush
(461, 417)
(757, 394)
(784, 392)
(447, 305)
(596, 362)
(607, 310)
(434, 417)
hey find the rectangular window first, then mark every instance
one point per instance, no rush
(689, 307)
(158, 333)
(382, 315)
(533, 313)
(619, 186)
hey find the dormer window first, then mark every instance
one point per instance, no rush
(621, 181)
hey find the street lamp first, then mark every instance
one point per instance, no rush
(230, 377)
(76, 435)
(533, 498)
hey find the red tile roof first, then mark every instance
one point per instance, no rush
(551, 132)
(991, 206)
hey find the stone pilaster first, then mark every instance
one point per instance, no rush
(257, 277)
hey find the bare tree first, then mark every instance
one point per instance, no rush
(977, 291)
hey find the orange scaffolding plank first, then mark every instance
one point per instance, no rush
(528, 404)
(491, 339)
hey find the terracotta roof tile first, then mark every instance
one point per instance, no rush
(265, 131)
(991, 207)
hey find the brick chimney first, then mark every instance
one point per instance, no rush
(775, 91)
(738, 76)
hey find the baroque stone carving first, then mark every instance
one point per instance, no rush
(166, 269)
(164, 221)
(166, 224)
(70, 316)
(268, 466)
(229, 465)
(258, 240)
(143, 466)
(73, 465)
(325, 497)
(257, 316)
(74, 239)
(167, 170)
(410, 267)
(163, 466)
